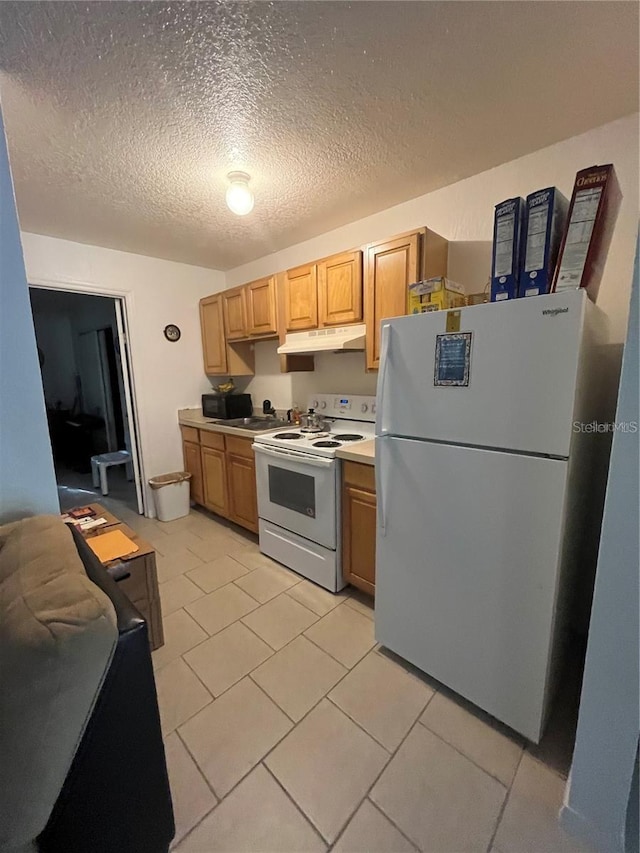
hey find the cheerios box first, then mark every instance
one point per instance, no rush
(434, 294)
(505, 260)
(593, 210)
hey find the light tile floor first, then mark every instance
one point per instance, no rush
(288, 729)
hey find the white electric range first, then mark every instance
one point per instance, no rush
(298, 481)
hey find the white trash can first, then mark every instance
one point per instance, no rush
(171, 495)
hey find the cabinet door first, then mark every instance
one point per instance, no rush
(214, 350)
(340, 289)
(193, 464)
(301, 298)
(261, 307)
(235, 313)
(214, 478)
(359, 537)
(243, 503)
(390, 268)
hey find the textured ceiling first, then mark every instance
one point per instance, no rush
(124, 118)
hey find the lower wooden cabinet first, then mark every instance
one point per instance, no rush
(193, 464)
(241, 478)
(359, 525)
(214, 479)
(223, 474)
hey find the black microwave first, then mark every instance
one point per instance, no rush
(226, 407)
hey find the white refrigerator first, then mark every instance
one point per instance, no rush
(481, 474)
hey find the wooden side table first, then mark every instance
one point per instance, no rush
(141, 584)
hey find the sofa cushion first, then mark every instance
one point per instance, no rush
(57, 635)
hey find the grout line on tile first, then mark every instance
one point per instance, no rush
(360, 726)
(273, 701)
(215, 633)
(503, 807)
(374, 783)
(191, 669)
(297, 807)
(368, 794)
(386, 817)
(199, 769)
(279, 595)
(468, 757)
(295, 724)
(248, 575)
(220, 798)
(255, 634)
(348, 668)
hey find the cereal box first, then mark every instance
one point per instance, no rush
(544, 222)
(595, 202)
(505, 266)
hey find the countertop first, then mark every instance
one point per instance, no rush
(194, 418)
(364, 452)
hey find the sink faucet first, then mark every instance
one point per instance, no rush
(267, 408)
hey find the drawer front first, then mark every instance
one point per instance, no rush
(240, 446)
(359, 474)
(212, 439)
(190, 434)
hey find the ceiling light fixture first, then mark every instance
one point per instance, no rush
(239, 196)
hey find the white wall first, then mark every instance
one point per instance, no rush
(600, 792)
(463, 213)
(27, 482)
(334, 372)
(168, 376)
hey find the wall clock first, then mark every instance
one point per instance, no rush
(172, 333)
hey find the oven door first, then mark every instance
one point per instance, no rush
(298, 493)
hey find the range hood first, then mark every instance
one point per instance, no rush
(340, 339)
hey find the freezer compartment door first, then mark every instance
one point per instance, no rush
(519, 360)
(467, 570)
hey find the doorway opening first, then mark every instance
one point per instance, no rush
(86, 378)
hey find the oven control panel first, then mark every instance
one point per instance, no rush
(353, 407)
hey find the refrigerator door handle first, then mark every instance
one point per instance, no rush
(385, 355)
(380, 490)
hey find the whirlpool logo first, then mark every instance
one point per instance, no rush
(553, 312)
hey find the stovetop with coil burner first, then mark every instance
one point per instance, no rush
(350, 419)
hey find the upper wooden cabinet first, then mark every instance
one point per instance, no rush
(301, 298)
(214, 351)
(235, 313)
(262, 314)
(340, 289)
(220, 357)
(390, 267)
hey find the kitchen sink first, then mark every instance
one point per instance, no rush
(256, 424)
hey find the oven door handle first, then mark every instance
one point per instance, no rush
(302, 459)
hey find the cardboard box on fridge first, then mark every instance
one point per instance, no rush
(505, 256)
(434, 294)
(544, 223)
(593, 211)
